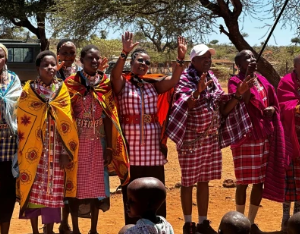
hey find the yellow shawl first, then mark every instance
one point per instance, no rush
(31, 114)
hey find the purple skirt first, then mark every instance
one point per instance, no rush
(49, 215)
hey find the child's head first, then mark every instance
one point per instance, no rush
(125, 228)
(144, 195)
(234, 222)
(46, 65)
(90, 59)
(66, 50)
(294, 224)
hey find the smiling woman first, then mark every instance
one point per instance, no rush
(99, 136)
(66, 55)
(138, 99)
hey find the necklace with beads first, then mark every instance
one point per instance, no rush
(46, 91)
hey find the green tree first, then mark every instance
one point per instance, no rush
(295, 40)
(193, 18)
(214, 42)
(31, 15)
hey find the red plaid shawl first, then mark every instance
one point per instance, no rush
(179, 110)
(275, 175)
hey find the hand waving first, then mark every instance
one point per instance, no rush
(245, 85)
(103, 65)
(202, 84)
(182, 47)
(59, 65)
(127, 42)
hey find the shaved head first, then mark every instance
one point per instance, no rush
(234, 222)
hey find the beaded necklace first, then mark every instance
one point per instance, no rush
(47, 92)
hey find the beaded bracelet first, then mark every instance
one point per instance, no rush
(194, 99)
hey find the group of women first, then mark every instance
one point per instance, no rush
(62, 133)
(65, 130)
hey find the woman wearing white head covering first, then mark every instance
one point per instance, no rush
(10, 90)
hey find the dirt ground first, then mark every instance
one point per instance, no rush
(221, 201)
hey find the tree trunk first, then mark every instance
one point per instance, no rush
(41, 19)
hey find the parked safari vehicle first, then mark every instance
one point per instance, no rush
(21, 57)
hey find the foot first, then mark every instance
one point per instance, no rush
(284, 224)
(205, 228)
(189, 228)
(64, 228)
(255, 229)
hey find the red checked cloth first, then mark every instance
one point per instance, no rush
(48, 187)
(292, 188)
(90, 177)
(145, 153)
(250, 161)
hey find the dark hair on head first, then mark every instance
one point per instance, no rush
(61, 42)
(85, 49)
(238, 57)
(43, 54)
(136, 52)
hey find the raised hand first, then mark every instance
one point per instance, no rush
(127, 42)
(59, 65)
(245, 85)
(103, 64)
(181, 48)
(202, 84)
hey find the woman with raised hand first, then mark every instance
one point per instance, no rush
(66, 56)
(138, 99)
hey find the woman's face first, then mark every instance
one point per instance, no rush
(245, 60)
(2, 59)
(202, 63)
(140, 64)
(67, 53)
(47, 69)
(91, 61)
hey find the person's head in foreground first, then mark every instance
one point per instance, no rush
(234, 222)
(294, 224)
(145, 196)
(46, 65)
(201, 57)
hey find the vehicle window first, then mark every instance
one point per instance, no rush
(20, 55)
